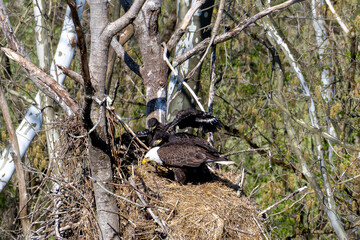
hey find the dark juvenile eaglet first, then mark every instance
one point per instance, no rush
(159, 134)
(204, 121)
(193, 118)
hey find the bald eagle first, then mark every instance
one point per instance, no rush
(187, 158)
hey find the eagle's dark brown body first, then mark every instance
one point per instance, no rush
(187, 157)
(191, 152)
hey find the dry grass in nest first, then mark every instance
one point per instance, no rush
(211, 210)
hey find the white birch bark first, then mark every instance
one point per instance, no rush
(326, 91)
(47, 104)
(32, 122)
(326, 79)
(330, 203)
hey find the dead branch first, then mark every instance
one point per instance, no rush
(213, 35)
(45, 83)
(174, 71)
(89, 90)
(25, 221)
(115, 195)
(11, 39)
(128, 128)
(283, 200)
(259, 226)
(338, 19)
(232, 33)
(174, 39)
(72, 74)
(83, 52)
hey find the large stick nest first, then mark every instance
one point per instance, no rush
(211, 210)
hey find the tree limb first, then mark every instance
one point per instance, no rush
(114, 27)
(315, 130)
(89, 90)
(233, 32)
(174, 39)
(25, 221)
(72, 74)
(11, 39)
(122, 54)
(174, 71)
(45, 83)
(213, 35)
(283, 200)
(159, 221)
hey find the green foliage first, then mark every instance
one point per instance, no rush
(244, 101)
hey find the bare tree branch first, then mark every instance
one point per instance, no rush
(340, 21)
(233, 32)
(11, 39)
(89, 90)
(112, 28)
(213, 35)
(315, 130)
(83, 50)
(45, 83)
(283, 200)
(122, 54)
(174, 71)
(158, 220)
(25, 221)
(183, 25)
(72, 74)
(128, 128)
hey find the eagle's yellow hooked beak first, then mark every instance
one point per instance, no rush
(144, 161)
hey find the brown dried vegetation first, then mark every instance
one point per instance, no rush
(212, 210)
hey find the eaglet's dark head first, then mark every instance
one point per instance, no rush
(153, 123)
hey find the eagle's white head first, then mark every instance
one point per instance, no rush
(152, 155)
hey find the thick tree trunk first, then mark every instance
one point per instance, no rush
(154, 70)
(106, 208)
